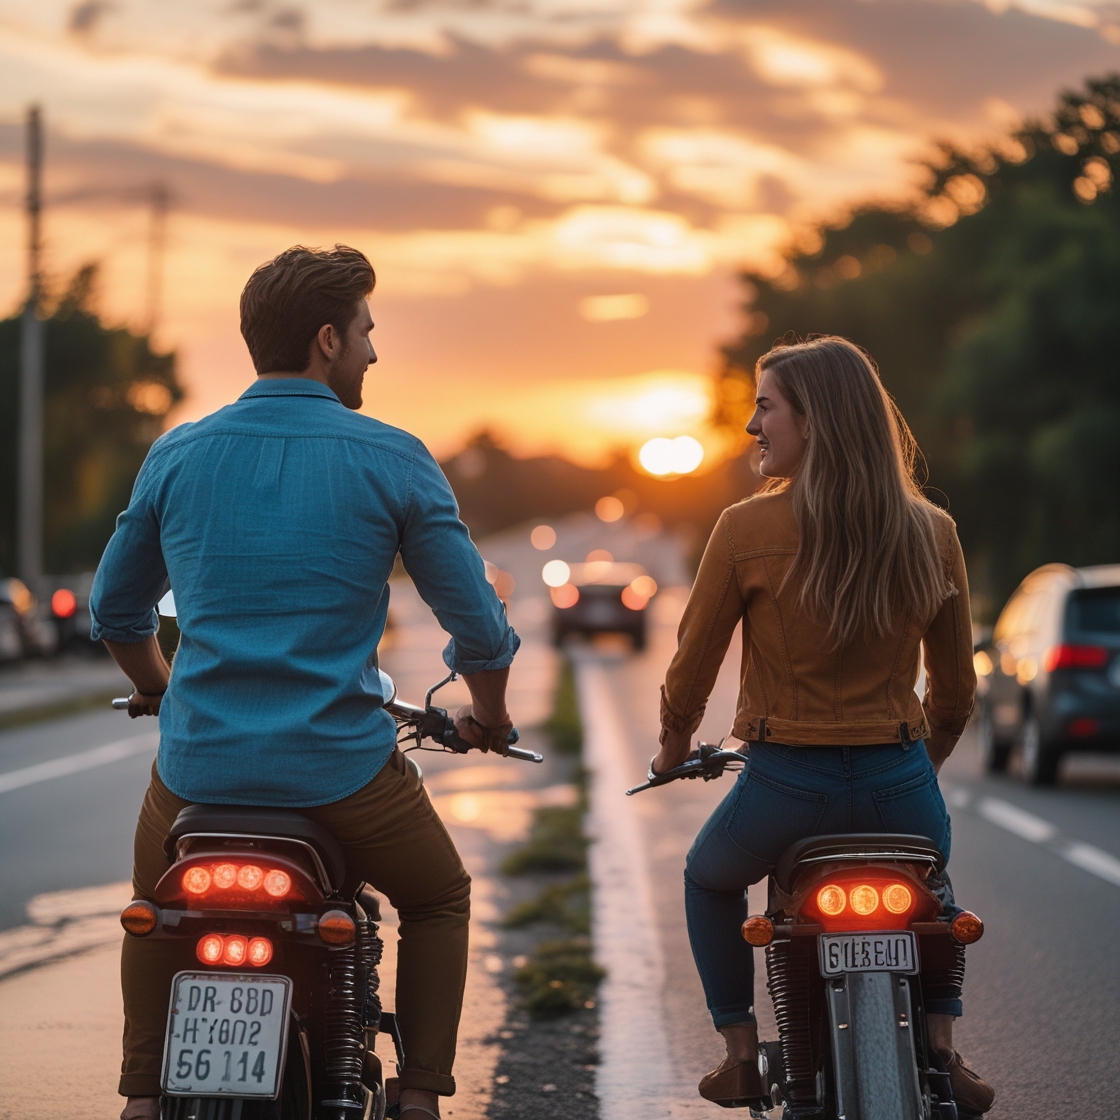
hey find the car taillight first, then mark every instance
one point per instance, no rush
(63, 603)
(234, 950)
(1083, 727)
(565, 596)
(139, 918)
(1075, 657)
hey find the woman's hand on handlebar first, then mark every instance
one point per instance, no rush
(675, 746)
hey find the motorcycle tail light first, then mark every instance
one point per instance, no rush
(250, 877)
(966, 928)
(277, 883)
(336, 927)
(758, 931)
(831, 900)
(897, 898)
(196, 880)
(224, 876)
(236, 949)
(139, 918)
(259, 952)
(864, 899)
(210, 948)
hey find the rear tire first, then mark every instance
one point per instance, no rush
(994, 752)
(1040, 758)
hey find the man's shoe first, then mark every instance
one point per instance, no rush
(141, 1108)
(970, 1091)
(733, 1085)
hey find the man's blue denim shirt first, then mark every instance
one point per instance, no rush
(278, 520)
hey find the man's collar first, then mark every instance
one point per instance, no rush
(289, 387)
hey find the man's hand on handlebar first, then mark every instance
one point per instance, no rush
(479, 735)
(144, 704)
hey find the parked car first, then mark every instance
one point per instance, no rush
(17, 605)
(599, 596)
(1050, 676)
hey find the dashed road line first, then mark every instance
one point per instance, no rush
(75, 763)
(1011, 818)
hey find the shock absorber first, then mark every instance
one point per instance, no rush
(788, 978)
(370, 947)
(344, 1045)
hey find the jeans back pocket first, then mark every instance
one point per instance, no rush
(770, 816)
(916, 807)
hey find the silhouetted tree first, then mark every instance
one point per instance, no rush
(106, 395)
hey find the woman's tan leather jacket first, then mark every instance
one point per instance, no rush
(796, 689)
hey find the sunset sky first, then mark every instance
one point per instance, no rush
(555, 193)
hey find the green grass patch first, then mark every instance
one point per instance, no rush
(563, 904)
(564, 729)
(556, 843)
(559, 978)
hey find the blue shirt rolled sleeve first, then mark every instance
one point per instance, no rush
(132, 574)
(450, 575)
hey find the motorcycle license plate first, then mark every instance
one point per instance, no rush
(882, 951)
(226, 1035)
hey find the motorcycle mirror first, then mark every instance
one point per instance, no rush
(388, 687)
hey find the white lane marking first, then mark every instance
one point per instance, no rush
(1016, 820)
(958, 797)
(75, 763)
(1094, 861)
(632, 1077)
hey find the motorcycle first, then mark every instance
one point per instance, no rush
(275, 1010)
(852, 924)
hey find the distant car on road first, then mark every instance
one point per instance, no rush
(599, 596)
(1050, 677)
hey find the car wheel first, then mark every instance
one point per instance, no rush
(994, 751)
(1040, 758)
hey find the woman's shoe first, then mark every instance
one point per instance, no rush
(733, 1084)
(970, 1091)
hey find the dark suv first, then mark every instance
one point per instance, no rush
(1051, 673)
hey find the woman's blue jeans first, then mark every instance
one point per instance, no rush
(783, 795)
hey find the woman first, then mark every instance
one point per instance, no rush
(840, 572)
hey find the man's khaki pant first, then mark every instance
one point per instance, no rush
(392, 840)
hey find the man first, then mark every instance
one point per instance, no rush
(278, 520)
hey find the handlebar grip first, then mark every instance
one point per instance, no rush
(524, 755)
(121, 703)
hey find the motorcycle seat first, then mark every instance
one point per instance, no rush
(875, 846)
(259, 821)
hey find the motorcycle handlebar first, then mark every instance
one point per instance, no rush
(705, 762)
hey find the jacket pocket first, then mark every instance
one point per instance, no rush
(770, 816)
(916, 807)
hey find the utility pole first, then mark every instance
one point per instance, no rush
(30, 525)
(160, 199)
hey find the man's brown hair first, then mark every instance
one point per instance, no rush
(288, 300)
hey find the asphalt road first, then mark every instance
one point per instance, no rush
(1042, 867)
(1042, 996)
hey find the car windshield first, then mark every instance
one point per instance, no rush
(1096, 611)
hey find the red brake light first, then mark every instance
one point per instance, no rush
(63, 603)
(1075, 657)
(277, 883)
(260, 951)
(225, 876)
(1083, 727)
(236, 949)
(867, 902)
(209, 949)
(250, 877)
(196, 880)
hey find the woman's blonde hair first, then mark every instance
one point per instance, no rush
(868, 555)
